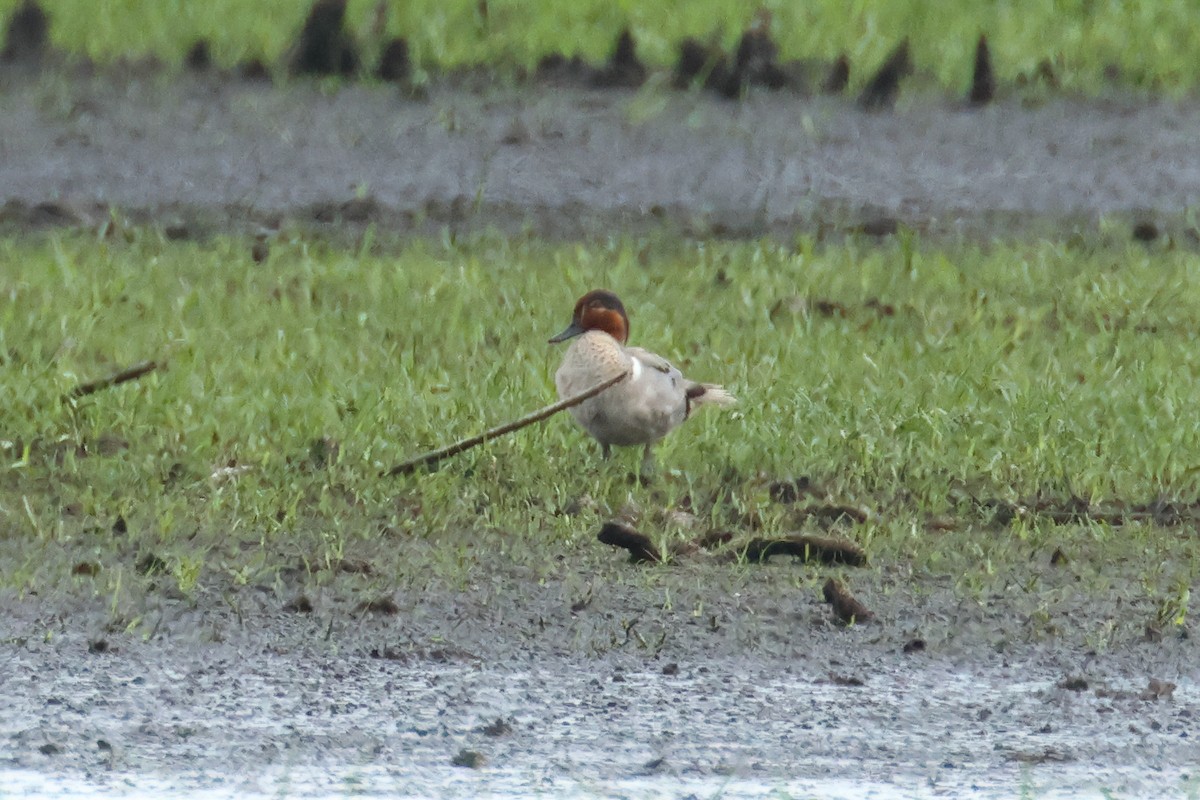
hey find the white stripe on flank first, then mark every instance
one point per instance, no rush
(637, 369)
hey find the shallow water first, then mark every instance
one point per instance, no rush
(153, 722)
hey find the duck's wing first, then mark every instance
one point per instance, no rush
(695, 394)
(648, 359)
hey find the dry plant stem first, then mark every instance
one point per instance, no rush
(435, 456)
(124, 376)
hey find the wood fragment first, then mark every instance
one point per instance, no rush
(428, 459)
(123, 376)
(848, 609)
(641, 549)
(825, 549)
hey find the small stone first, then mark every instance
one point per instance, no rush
(497, 728)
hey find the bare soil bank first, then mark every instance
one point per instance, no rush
(609, 679)
(212, 153)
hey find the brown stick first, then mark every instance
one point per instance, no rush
(844, 605)
(435, 456)
(641, 549)
(124, 376)
(809, 548)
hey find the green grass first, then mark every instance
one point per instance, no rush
(1152, 42)
(1001, 371)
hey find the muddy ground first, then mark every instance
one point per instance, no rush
(649, 681)
(568, 162)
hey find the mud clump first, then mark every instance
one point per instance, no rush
(299, 605)
(838, 77)
(27, 36)
(791, 491)
(754, 61)
(384, 606)
(641, 549)
(324, 47)
(828, 516)
(1145, 231)
(1044, 73)
(395, 64)
(983, 79)
(882, 90)
(497, 728)
(848, 609)
(352, 566)
(878, 226)
(848, 681)
(356, 210)
(260, 251)
(624, 69)
(323, 452)
(1158, 689)
(700, 61)
(254, 70)
(557, 69)
(198, 57)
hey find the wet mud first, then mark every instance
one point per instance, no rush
(251, 721)
(209, 152)
(599, 678)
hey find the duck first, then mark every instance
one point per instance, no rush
(652, 400)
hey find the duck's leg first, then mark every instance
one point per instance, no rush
(648, 467)
(605, 451)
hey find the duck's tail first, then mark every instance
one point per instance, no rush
(705, 394)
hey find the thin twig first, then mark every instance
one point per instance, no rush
(124, 376)
(435, 456)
